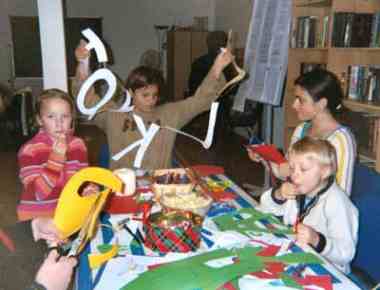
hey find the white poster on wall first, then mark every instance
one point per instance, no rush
(266, 53)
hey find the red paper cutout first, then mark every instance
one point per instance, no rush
(269, 251)
(323, 281)
(205, 170)
(227, 286)
(268, 152)
(6, 240)
(222, 195)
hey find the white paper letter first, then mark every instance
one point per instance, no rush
(148, 136)
(126, 107)
(100, 74)
(95, 43)
(210, 131)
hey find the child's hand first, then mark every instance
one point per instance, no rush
(60, 144)
(44, 228)
(306, 235)
(223, 59)
(81, 52)
(55, 273)
(288, 191)
(92, 188)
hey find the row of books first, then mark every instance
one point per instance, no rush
(349, 30)
(365, 128)
(374, 127)
(306, 32)
(363, 83)
(356, 29)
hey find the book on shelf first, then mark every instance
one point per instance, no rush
(375, 30)
(352, 29)
(304, 32)
(365, 129)
(325, 31)
(364, 83)
(361, 30)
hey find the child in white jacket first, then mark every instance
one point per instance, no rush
(322, 214)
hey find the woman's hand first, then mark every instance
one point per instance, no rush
(281, 171)
(254, 156)
(306, 235)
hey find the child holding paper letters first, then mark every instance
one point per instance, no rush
(318, 97)
(144, 85)
(320, 211)
(51, 157)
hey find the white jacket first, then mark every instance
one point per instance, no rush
(334, 216)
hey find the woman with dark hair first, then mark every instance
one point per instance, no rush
(318, 97)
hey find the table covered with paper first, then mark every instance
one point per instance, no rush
(239, 247)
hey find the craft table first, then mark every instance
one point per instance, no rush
(121, 270)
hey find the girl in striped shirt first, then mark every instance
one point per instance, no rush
(51, 157)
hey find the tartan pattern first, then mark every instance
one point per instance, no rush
(164, 240)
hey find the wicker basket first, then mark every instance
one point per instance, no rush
(162, 188)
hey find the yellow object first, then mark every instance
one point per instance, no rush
(218, 185)
(96, 260)
(74, 211)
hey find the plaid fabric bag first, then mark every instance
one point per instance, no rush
(175, 239)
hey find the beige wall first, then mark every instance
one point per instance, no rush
(234, 15)
(128, 26)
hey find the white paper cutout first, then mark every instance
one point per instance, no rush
(105, 74)
(210, 131)
(126, 107)
(143, 143)
(100, 74)
(95, 43)
(221, 262)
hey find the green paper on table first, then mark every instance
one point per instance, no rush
(229, 222)
(295, 258)
(192, 273)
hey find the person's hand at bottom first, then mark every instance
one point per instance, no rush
(55, 273)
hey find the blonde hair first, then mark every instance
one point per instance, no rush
(55, 94)
(318, 149)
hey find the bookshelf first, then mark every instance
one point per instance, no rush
(336, 59)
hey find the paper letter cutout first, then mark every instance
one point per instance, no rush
(143, 143)
(210, 131)
(100, 74)
(95, 43)
(268, 152)
(126, 107)
(105, 74)
(96, 260)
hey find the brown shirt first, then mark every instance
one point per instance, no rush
(122, 131)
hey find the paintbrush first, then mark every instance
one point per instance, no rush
(193, 175)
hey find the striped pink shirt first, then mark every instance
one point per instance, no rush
(44, 173)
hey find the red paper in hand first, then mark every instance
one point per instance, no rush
(268, 152)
